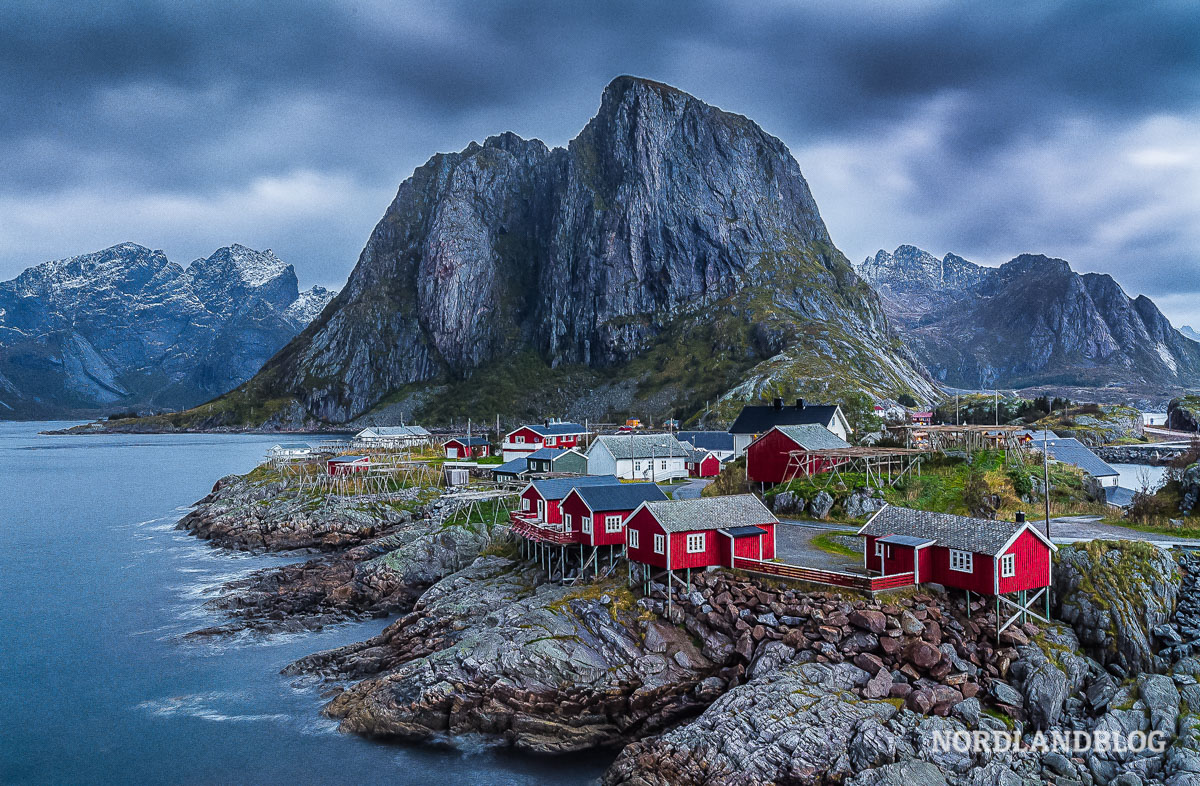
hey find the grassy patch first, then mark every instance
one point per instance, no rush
(827, 542)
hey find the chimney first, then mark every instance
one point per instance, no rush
(777, 403)
(1020, 517)
(799, 403)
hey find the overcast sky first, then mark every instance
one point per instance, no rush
(1065, 128)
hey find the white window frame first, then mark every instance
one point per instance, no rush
(519, 438)
(879, 549)
(587, 525)
(1008, 566)
(695, 542)
(566, 522)
(525, 503)
(660, 543)
(637, 466)
(633, 538)
(962, 561)
(663, 464)
(612, 524)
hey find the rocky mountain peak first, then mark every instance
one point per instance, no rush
(666, 220)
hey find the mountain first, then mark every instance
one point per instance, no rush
(1032, 321)
(1188, 332)
(668, 254)
(125, 328)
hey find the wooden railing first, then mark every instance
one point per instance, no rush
(528, 528)
(834, 578)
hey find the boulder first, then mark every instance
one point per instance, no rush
(821, 505)
(869, 620)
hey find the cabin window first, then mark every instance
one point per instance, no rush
(695, 543)
(633, 538)
(637, 466)
(878, 549)
(518, 438)
(567, 522)
(587, 525)
(524, 503)
(1008, 565)
(963, 561)
(612, 524)
(664, 465)
(660, 544)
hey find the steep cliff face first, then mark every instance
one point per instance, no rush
(1032, 321)
(667, 229)
(126, 328)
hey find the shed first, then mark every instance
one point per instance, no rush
(595, 515)
(700, 533)
(783, 453)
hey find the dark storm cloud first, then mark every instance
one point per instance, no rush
(174, 112)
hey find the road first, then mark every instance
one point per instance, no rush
(793, 544)
(1072, 529)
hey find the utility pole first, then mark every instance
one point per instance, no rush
(1046, 479)
(997, 407)
(956, 421)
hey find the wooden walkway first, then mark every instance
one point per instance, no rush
(833, 578)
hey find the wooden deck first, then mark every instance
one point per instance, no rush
(528, 528)
(833, 578)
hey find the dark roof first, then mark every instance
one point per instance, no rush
(758, 419)
(557, 488)
(340, 459)
(707, 440)
(1075, 453)
(905, 540)
(696, 456)
(514, 467)
(468, 440)
(641, 446)
(810, 436)
(624, 496)
(556, 429)
(744, 532)
(1118, 496)
(548, 453)
(685, 515)
(983, 536)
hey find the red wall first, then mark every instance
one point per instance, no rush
(898, 559)
(710, 467)
(345, 468)
(1033, 564)
(647, 526)
(979, 581)
(536, 440)
(574, 505)
(767, 460)
(711, 555)
(553, 515)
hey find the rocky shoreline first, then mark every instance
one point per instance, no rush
(737, 680)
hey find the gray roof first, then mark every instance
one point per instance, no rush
(983, 536)
(624, 496)
(557, 488)
(398, 431)
(556, 429)
(707, 440)
(640, 446)
(1075, 453)
(684, 515)
(813, 437)
(469, 440)
(1118, 496)
(293, 446)
(905, 540)
(1038, 434)
(514, 467)
(699, 454)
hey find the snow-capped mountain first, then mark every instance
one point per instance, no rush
(125, 328)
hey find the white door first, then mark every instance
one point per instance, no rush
(451, 452)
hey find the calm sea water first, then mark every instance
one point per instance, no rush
(96, 589)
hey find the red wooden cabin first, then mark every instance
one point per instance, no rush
(979, 555)
(788, 452)
(527, 439)
(702, 464)
(540, 499)
(467, 448)
(595, 515)
(700, 533)
(345, 465)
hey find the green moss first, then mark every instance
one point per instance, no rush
(826, 542)
(1000, 716)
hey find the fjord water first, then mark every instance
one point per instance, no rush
(96, 589)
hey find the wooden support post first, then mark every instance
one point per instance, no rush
(968, 604)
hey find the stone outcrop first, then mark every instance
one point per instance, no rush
(263, 513)
(1114, 595)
